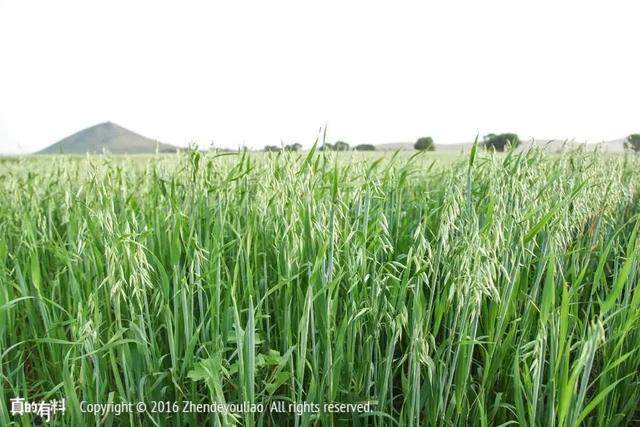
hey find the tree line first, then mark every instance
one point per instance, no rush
(492, 142)
(338, 146)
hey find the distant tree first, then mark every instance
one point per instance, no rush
(633, 142)
(326, 147)
(365, 147)
(424, 143)
(292, 147)
(272, 148)
(500, 142)
(341, 146)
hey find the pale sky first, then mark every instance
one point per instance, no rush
(238, 72)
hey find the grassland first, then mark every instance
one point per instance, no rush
(481, 290)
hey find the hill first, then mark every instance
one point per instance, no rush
(107, 137)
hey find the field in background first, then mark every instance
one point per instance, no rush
(446, 290)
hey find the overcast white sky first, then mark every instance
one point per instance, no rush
(259, 72)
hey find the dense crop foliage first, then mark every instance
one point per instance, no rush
(496, 289)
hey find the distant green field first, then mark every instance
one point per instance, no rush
(439, 289)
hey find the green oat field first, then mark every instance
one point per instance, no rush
(481, 289)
